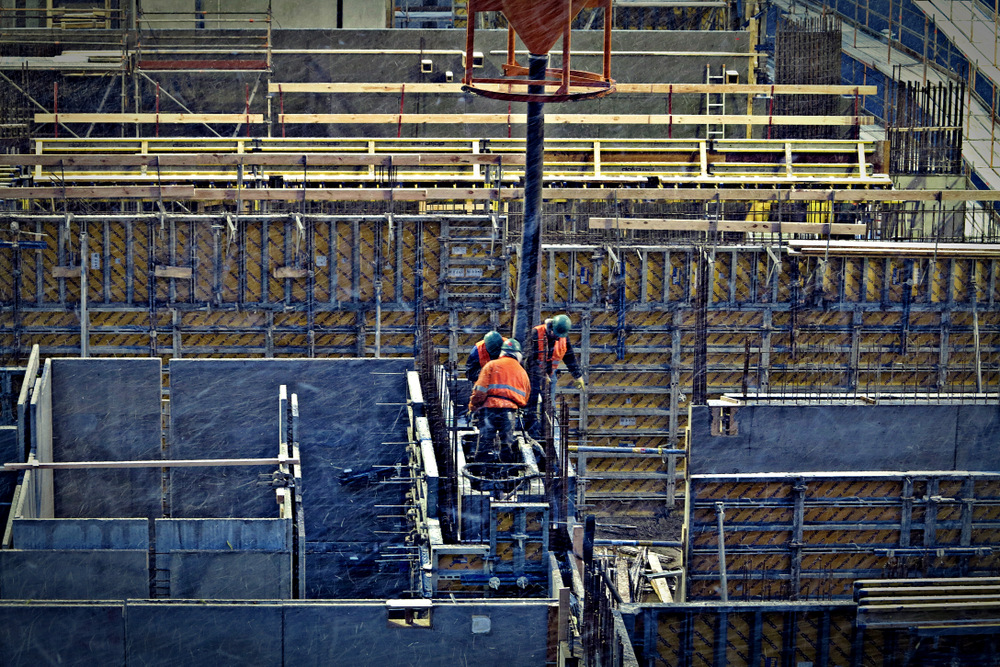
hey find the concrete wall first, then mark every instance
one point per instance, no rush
(395, 55)
(359, 14)
(301, 14)
(511, 632)
(817, 438)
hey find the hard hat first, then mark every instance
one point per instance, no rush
(493, 342)
(561, 325)
(512, 347)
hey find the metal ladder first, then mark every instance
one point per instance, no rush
(715, 103)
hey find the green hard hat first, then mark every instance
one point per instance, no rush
(561, 325)
(512, 347)
(493, 342)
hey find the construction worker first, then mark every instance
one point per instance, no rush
(484, 351)
(501, 389)
(547, 346)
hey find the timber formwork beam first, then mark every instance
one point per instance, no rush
(155, 193)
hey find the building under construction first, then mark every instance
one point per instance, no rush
(246, 248)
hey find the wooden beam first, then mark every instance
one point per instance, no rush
(150, 118)
(290, 272)
(627, 88)
(161, 463)
(101, 192)
(262, 159)
(65, 271)
(664, 224)
(183, 272)
(562, 119)
(185, 192)
(659, 585)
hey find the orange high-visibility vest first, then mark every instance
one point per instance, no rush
(484, 356)
(558, 349)
(501, 384)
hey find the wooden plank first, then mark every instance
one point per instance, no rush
(659, 585)
(186, 192)
(183, 272)
(727, 226)
(564, 119)
(214, 65)
(627, 88)
(150, 118)
(262, 159)
(159, 463)
(65, 271)
(101, 192)
(290, 272)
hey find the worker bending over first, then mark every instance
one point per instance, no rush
(501, 389)
(547, 346)
(484, 351)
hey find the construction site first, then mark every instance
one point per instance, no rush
(247, 247)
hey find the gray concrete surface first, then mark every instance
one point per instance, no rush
(842, 438)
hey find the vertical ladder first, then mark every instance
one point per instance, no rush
(715, 103)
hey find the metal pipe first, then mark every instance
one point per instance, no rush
(637, 543)
(720, 514)
(84, 320)
(624, 450)
(531, 235)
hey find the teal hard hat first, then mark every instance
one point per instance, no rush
(493, 342)
(561, 325)
(512, 347)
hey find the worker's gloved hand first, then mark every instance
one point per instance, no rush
(578, 383)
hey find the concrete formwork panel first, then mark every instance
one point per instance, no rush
(221, 559)
(74, 559)
(204, 634)
(106, 410)
(62, 634)
(498, 633)
(40, 502)
(352, 426)
(819, 438)
(74, 574)
(9, 446)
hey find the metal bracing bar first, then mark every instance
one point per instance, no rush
(174, 100)
(84, 318)
(33, 101)
(798, 522)
(944, 348)
(975, 339)
(906, 513)
(720, 514)
(675, 376)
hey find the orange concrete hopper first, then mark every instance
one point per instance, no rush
(539, 24)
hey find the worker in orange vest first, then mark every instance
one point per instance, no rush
(501, 389)
(484, 351)
(547, 346)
